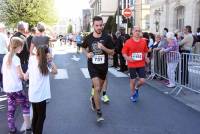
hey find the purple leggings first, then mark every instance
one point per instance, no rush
(14, 99)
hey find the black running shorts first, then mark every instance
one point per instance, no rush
(134, 72)
(97, 71)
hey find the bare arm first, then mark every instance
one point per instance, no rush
(108, 51)
(54, 69)
(26, 76)
(20, 72)
(31, 49)
(127, 58)
(89, 55)
(184, 41)
(146, 58)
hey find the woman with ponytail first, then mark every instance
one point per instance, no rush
(39, 86)
(12, 84)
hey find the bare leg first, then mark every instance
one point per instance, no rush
(140, 82)
(132, 86)
(105, 85)
(98, 83)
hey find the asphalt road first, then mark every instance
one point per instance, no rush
(69, 109)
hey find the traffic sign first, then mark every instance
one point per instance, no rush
(127, 12)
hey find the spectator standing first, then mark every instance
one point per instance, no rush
(39, 86)
(30, 37)
(12, 85)
(115, 56)
(40, 38)
(3, 48)
(197, 42)
(172, 55)
(185, 48)
(24, 55)
(119, 45)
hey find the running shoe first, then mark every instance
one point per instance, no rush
(92, 92)
(105, 98)
(93, 107)
(137, 93)
(13, 132)
(134, 98)
(27, 131)
(171, 85)
(99, 116)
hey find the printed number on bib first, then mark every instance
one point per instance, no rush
(137, 56)
(98, 59)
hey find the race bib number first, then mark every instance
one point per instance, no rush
(137, 56)
(98, 59)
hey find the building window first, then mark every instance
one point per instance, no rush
(124, 4)
(180, 17)
(145, 2)
(132, 2)
(99, 6)
(147, 22)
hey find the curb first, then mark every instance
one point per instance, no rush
(179, 99)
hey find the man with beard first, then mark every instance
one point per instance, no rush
(97, 46)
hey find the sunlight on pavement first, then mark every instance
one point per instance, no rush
(63, 49)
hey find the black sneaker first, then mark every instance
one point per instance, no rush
(28, 131)
(99, 116)
(13, 132)
(93, 107)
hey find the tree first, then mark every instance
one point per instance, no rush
(88, 28)
(31, 11)
(110, 25)
(69, 28)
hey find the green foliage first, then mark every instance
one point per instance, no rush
(31, 11)
(88, 28)
(110, 25)
(69, 28)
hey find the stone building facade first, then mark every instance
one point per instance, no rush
(174, 14)
(103, 8)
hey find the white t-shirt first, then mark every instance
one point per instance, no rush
(39, 85)
(3, 43)
(11, 80)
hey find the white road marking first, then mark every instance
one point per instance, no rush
(2, 107)
(75, 58)
(62, 74)
(85, 72)
(3, 98)
(116, 73)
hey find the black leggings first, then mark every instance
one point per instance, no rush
(39, 115)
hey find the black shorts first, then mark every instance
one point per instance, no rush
(97, 71)
(134, 72)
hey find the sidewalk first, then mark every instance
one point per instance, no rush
(187, 97)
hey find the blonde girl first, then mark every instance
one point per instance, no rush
(12, 84)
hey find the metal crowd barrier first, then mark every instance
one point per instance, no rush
(184, 68)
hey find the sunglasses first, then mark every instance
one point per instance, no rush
(137, 30)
